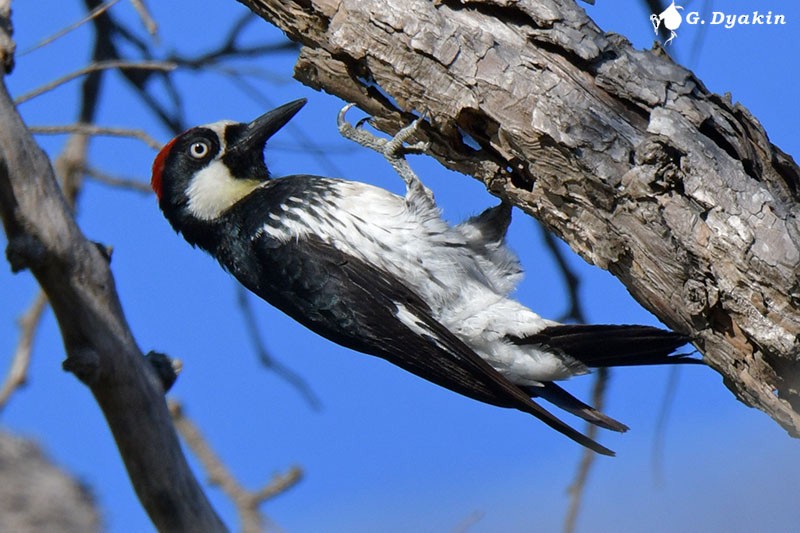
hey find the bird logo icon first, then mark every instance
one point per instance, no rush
(671, 19)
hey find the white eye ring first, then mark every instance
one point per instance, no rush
(199, 149)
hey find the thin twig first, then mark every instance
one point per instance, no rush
(246, 502)
(69, 167)
(231, 48)
(147, 19)
(575, 313)
(661, 424)
(95, 130)
(95, 67)
(279, 484)
(572, 281)
(266, 359)
(576, 490)
(120, 183)
(102, 8)
(18, 372)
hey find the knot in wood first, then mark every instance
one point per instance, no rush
(25, 251)
(84, 363)
(698, 296)
(166, 369)
(656, 169)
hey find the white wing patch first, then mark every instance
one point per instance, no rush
(411, 321)
(464, 279)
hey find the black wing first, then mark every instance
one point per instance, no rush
(356, 305)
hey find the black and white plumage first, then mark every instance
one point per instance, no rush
(386, 275)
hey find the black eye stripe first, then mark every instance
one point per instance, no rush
(233, 132)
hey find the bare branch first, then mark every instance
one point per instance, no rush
(44, 238)
(102, 8)
(279, 484)
(578, 486)
(621, 152)
(7, 44)
(661, 424)
(266, 359)
(147, 19)
(121, 183)
(95, 67)
(246, 502)
(28, 324)
(94, 130)
(572, 282)
(230, 48)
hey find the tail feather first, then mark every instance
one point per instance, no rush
(600, 345)
(561, 398)
(603, 346)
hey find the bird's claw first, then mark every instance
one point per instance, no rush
(360, 123)
(393, 149)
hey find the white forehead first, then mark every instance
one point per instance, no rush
(219, 128)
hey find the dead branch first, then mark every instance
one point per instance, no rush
(95, 67)
(146, 17)
(622, 153)
(73, 272)
(120, 183)
(95, 130)
(28, 324)
(247, 502)
(97, 11)
(578, 487)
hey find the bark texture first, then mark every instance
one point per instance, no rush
(75, 275)
(622, 153)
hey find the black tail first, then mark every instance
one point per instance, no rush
(604, 346)
(600, 345)
(559, 397)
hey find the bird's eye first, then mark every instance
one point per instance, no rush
(199, 149)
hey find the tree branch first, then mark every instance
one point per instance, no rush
(622, 153)
(101, 351)
(576, 490)
(18, 373)
(247, 502)
(93, 129)
(96, 67)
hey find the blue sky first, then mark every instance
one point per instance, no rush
(388, 451)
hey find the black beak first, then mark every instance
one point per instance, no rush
(261, 129)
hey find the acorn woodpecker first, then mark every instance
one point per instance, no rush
(384, 274)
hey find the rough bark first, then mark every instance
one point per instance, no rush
(37, 496)
(74, 273)
(622, 153)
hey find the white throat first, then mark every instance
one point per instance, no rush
(213, 191)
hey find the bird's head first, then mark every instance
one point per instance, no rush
(204, 171)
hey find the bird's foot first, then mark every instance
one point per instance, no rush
(357, 133)
(394, 150)
(395, 147)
